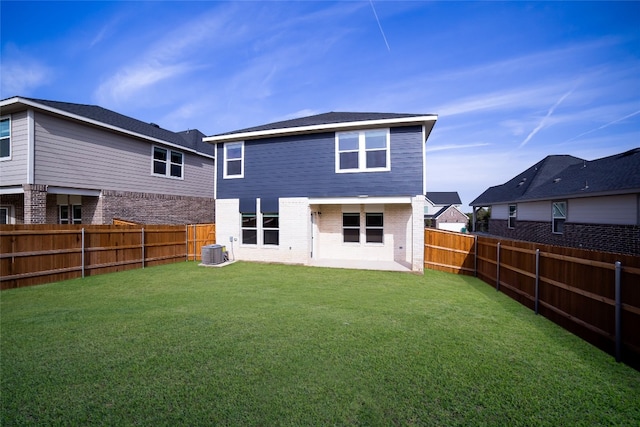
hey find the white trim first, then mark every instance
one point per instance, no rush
(10, 156)
(424, 161)
(168, 163)
(10, 218)
(362, 151)
(361, 200)
(73, 191)
(322, 128)
(224, 157)
(27, 102)
(31, 149)
(12, 190)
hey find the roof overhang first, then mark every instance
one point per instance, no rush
(428, 121)
(558, 197)
(16, 104)
(361, 200)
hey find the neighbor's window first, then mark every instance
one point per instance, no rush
(559, 216)
(351, 227)
(4, 215)
(234, 160)
(5, 138)
(249, 229)
(271, 229)
(513, 214)
(167, 163)
(70, 214)
(374, 227)
(364, 151)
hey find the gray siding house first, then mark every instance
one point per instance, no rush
(72, 163)
(442, 211)
(330, 189)
(568, 201)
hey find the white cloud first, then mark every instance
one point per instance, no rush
(431, 149)
(20, 76)
(545, 119)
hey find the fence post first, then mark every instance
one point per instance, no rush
(537, 279)
(195, 243)
(143, 247)
(186, 239)
(82, 257)
(618, 312)
(498, 269)
(475, 258)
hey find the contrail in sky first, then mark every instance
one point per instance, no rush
(604, 125)
(544, 119)
(381, 31)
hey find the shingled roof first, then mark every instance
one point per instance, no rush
(325, 122)
(561, 176)
(120, 121)
(444, 197)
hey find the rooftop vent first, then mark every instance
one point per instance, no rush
(155, 125)
(557, 180)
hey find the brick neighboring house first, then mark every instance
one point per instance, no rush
(567, 201)
(442, 211)
(72, 163)
(335, 189)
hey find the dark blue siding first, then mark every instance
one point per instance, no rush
(304, 166)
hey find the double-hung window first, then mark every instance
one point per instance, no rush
(271, 228)
(167, 163)
(374, 227)
(363, 151)
(513, 215)
(351, 227)
(234, 160)
(249, 228)
(559, 214)
(70, 214)
(5, 138)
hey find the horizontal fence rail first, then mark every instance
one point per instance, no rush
(38, 254)
(595, 295)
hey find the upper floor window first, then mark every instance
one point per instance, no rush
(5, 138)
(234, 160)
(513, 214)
(559, 214)
(167, 163)
(363, 151)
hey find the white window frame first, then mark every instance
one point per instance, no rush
(225, 175)
(7, 212)
(373, 227)
(351, 227)
(265, 229)
(511, 221)
(554, 217)
(168, 162)
(8, 137)
(71, 218)
(362, 152)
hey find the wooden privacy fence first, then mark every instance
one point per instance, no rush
(38, 254)
(595, 295)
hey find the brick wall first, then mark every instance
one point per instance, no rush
(149, 208)
(623, 239)
(35, 203)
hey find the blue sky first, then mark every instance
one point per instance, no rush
(511, 82)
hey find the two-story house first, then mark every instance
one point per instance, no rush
(442, 211)
(567, 201)
(335, 189)
(71, 163)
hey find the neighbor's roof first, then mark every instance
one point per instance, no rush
(567, 176)
(326, 122)
(444, 197)
(96, 115)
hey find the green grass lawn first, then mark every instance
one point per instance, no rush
(266, 345)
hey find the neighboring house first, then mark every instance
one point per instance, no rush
(442, 211)
(334, 187)
(71, 163)
(568, 201)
